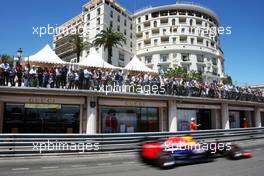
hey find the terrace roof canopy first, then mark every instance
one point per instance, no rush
(136, 65)
(46, 56)
(96, 60)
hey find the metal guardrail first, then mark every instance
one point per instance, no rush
(26, 144)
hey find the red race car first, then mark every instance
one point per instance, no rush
(184, 150)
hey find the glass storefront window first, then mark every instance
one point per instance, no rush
(201, 116)
(129, 119)
(41, 118)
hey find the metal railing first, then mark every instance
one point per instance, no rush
(25, 144)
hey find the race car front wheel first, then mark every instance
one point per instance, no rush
(165, 161)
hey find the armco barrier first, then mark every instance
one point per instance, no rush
(25, 144)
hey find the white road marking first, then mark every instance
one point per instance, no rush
(129, 162)
(51, 167)
(78, 165)
(20, 169)
(104, 164)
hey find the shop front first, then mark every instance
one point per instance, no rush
(201, 116)
(241, 117)
(207, 116)
(130, 116)
(41, 114)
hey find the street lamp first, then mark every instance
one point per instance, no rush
(19, 54)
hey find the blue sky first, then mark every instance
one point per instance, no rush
(243, 49)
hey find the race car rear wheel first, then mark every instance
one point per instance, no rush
(234, 153)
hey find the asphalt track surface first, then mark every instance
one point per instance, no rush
(129, 165)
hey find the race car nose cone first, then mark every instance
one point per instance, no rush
(247, 154)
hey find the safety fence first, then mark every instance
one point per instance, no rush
(83, 144)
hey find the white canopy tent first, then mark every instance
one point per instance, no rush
(136, 65)
(45, 56)
(95, 60)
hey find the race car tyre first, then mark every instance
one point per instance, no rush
(165, 161)
(234, 153)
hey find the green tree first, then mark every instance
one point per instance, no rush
(9, 59)
(177, 72)
(78, 43)
(227, 80)
(109, 39)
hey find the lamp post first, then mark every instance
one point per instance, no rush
(19, 54)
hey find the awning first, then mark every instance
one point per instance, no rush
(95, 60)
(136, 65)
(45, 55)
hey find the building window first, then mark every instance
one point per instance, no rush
(118, 28)
(125, 32)
(191, 22)
(214, 61)
(129, 119)
(174, 40)
(146, 17)
(41, 118)
(139, 45)
(192, 41)
(131, 35)
(186, 67)
(173, 22)
(121, 56)
(88, 16)
(98, 21)
(131, 26)
(111, 14)
(125, 22)
(164, 57)
(111, 24)
(185, 57)
(200, 68)
(215, 71)
(155, 24)
(164, 31)
(139, 20)
(200, 58)
(148, 59)
(139, 28)
(98, 11)
(155, 42)
(131, 45)
(118, 18)
(182, 30)
(147, 34)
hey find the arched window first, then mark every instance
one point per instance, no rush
(155, 24)
(173, 22)
(191, 22)
(139, 28)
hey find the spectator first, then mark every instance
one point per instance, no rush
(19, 74)
(5, 67)
(12, 75)
(193, 125)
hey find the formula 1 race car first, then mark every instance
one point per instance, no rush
(175, 151)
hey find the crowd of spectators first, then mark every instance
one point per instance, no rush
(94, 79)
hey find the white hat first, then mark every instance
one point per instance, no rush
(192, 119)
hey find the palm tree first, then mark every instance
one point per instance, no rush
(109, 39)
(76, 40)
